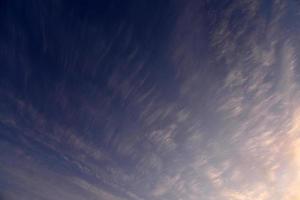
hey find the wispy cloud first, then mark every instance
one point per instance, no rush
(220, 121)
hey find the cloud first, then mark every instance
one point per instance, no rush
(226, 128)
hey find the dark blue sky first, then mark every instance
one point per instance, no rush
(160, 100)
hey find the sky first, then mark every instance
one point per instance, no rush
(149, 100)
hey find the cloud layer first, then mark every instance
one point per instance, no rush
(199, 101)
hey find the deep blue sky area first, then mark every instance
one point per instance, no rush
(140, 100)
